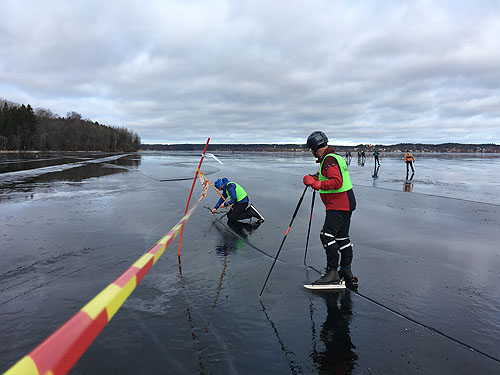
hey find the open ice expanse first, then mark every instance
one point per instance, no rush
(426, 252)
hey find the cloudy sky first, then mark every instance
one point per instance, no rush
(261, 71)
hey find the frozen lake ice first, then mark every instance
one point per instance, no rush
(426, 252)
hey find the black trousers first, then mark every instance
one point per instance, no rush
(335, 238)
(409, 163)
(239, 212)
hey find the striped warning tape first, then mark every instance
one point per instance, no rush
(60, 351)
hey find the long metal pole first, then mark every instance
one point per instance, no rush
(191, 192)
(284, 238)
(309, 228)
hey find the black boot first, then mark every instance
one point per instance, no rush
(256, 214)
(350, 280)
(330, 277)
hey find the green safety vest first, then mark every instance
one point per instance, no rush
(240, 192)
(346, 179)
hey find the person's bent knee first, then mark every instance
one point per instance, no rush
(327, 239)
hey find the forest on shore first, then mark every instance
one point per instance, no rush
(25, 129)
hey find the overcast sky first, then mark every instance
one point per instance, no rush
(261, 71)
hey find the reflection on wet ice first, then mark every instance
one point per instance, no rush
(375, 174)
(231, 243)
(333, 352)
(28, 177)
(408, 184)
(336, 354)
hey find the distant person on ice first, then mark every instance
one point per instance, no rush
(376, 155)
(409, 159)
(334, 185)
(237, 197)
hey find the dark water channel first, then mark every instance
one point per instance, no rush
(428, 262)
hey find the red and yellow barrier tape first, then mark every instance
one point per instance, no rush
(217, 190)
(60, 351)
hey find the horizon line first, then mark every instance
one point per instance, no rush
(343, 145)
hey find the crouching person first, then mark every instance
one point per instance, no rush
(237, 198)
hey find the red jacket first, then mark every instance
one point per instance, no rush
(344, 201)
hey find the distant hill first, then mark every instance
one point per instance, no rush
(401, 147)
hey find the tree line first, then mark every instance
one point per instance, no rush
(24, 129)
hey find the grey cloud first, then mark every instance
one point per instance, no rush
(239, 71)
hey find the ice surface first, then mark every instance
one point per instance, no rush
(425, 258)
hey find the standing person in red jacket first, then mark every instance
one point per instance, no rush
(334, 185)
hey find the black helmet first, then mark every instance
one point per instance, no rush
(316, 140)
